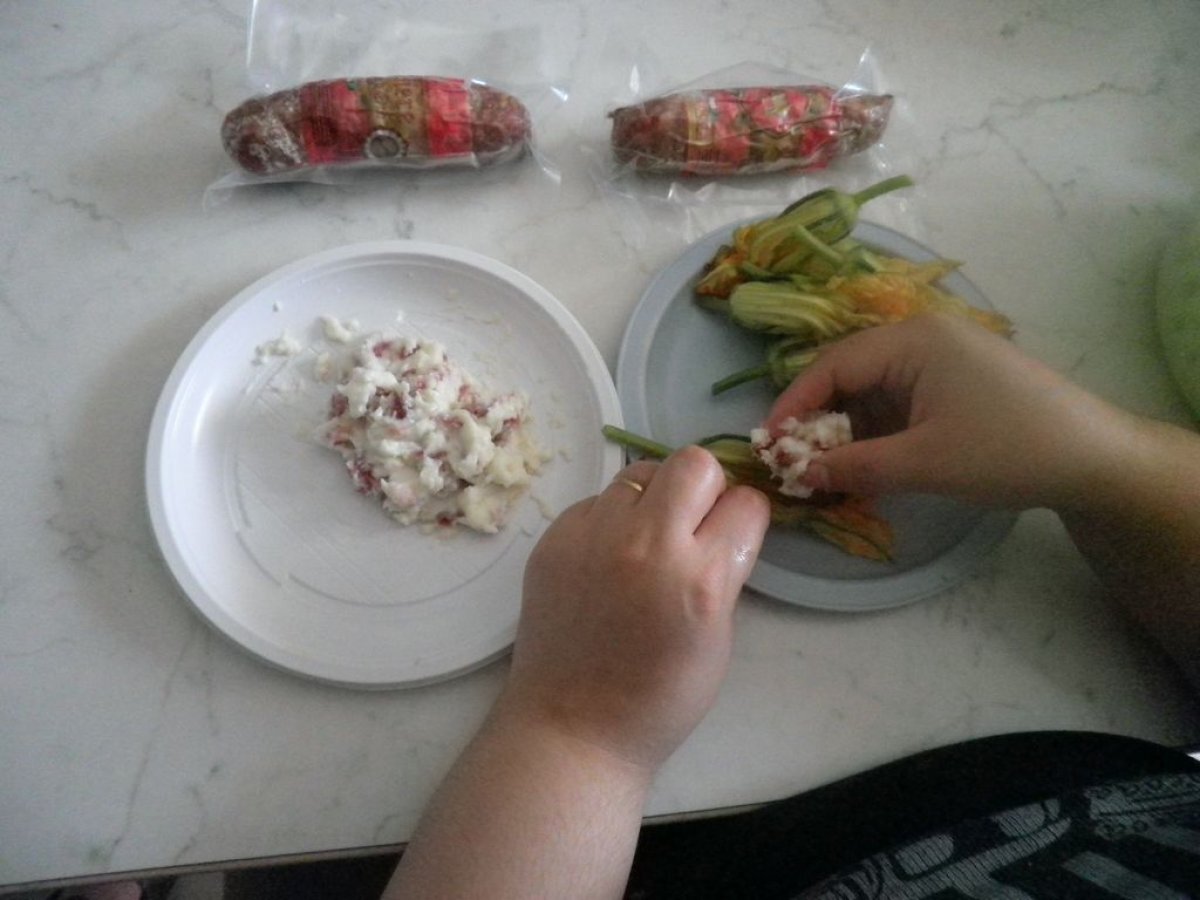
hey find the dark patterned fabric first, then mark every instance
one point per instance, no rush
(1130, 839)
(939, 807)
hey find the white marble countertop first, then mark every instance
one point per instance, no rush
(1055, 146)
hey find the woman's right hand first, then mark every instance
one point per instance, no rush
(943, 406)
(946, 407)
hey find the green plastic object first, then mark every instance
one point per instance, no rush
(1178, 313)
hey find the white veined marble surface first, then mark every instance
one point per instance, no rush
(1056, 146)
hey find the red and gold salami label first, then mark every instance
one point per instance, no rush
(385, 119)
(448, 118)
(730, 130)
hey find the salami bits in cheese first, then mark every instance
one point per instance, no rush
(800, 442)
(434, 444)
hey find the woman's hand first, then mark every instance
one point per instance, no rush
(623, 642)
(627, 621)
(947, 407)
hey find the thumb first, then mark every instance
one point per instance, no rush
(882, 465)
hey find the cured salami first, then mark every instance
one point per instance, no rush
(408, 122)
(747, 131)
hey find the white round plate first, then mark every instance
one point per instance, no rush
(260, 525)
(673, 351)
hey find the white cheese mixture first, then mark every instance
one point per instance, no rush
(419, 432)
(337, 331)
(802, 441)
(284, 345)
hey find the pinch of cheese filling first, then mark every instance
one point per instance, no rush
(801, 441)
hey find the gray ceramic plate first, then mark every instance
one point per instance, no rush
(673, 351)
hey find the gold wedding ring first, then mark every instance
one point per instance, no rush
(633, 484)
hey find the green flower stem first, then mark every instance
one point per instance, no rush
(631, 441)
(883, 187)
(815, 245)
(723, 436)
(754, 373)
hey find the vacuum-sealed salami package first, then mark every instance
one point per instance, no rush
(406, 121)
(747, 130)
(746, 141)
(333, 89)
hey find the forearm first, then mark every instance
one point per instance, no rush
(1142, 537)
(526, 812)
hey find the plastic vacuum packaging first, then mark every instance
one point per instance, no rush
(336, 89)
(747, 130)
(743, 142)
(411, 122)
